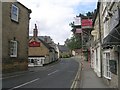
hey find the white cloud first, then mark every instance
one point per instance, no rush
(52, 17)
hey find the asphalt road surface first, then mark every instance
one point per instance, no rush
(58, 75)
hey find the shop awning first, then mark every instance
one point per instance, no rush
(113, 37)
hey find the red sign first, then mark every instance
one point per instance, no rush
(34, 44)
(87, 23)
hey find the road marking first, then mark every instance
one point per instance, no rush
(75, 81)
(24, 84)
(53, 72)
(12, 76)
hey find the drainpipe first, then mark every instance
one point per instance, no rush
(100, 38)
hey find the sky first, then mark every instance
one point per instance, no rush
(53, 16)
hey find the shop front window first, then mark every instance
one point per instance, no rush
(107, 73)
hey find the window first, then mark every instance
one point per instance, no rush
(107, 73)
(14, 13)
(113, 66)
(13, 48)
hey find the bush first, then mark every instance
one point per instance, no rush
(65, 56)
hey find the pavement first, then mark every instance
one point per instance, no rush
(89, 79)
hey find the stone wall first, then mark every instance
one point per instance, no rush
(18, 31)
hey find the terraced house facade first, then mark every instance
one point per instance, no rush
(15, 36)
(107, 33)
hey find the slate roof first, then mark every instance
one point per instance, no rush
(42, 39)
(63, 48)
(47, 45)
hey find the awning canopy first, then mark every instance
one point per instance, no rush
(113, 37)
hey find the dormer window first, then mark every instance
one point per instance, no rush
(14, 13)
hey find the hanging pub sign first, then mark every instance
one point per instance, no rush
(78, 31)
(86, 23)
(77, 21)
(34, 44)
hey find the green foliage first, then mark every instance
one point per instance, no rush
(89, 14)
(74, 42)
(65, 56)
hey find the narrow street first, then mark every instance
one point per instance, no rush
(58, 75)
(72, 44)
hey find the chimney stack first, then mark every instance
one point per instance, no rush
(35, 31)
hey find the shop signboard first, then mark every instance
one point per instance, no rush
(86, 23)
(34, 44)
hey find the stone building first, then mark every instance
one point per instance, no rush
(63, 51)
(96, 45)
(107, 23)
(15, 32)
(40, 52)
(111, 42)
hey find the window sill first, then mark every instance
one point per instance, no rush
(14, 21)
(107, 77)
(13, 56)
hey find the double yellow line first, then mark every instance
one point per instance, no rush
(77, 79)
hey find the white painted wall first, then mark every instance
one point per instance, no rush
(57, 49)
(97, 65)
(95, 60)
(38, 61)
(73, 52)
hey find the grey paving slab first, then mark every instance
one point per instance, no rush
(89, 79)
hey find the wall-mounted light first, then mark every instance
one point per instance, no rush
(110, 14)
(106, 18)
(94, 32)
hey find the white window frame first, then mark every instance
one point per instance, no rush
(13, 48)
(14, 15)
(104, 7)
(107, 73)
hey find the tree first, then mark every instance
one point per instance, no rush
(74, 42)
(89, 14)
(82, 15)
